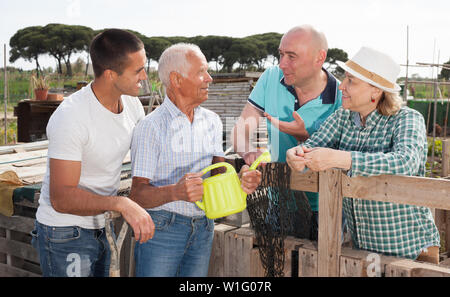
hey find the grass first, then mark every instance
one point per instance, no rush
(11, 132)
(437, 163)
(423, 91)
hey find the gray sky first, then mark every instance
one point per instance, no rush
(348, 24)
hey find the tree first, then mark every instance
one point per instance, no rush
(214, 48)
(445, 72)
(62, 41)
(154, 47)
(333, 55)
(233, 54)
(27, 44)
(272, 42)
(258, 52)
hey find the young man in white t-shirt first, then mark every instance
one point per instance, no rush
(89, 135)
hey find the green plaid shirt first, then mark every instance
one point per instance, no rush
(385, 145)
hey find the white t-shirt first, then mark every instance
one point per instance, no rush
(82, 129)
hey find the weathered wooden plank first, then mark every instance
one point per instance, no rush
(421, 191)
(20, 224)
(19, 249)
(409, 268)
(308, 181)
(446, 157)
(290, 244)
(33, 146)
(351, 267)
(256, 268)
(360, 263)
(19, 157)
(238, 246)
(217, 259)
(307, 262)
(330, 222)
(9, 271)
(447, 232)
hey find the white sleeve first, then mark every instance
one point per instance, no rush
(218, 143)
(66, 137)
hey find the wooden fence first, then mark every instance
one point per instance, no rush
(235, 252)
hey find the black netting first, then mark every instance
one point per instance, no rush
(124, 192)
(275, 212)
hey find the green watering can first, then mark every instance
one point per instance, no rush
(222, 193)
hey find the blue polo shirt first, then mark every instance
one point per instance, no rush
(273, 96)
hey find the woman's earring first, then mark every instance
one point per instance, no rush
(373, 100)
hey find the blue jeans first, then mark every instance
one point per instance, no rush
(180, 247)
(71, 251)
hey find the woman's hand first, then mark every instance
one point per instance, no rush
(295, 157)
(319, 159)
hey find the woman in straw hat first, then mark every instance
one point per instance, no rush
(372, 134)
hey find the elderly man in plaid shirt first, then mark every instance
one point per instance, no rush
(372, 134)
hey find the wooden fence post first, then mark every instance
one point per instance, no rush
(445, 173)
(330, 222)
(445, 157)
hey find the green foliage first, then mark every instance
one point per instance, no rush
(57, 40)
(333, 55)
(437, 147)
(154, 46)
(445, 72)
(11, 133)
(62, 41)
(28, 44)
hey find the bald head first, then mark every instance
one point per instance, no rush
(303, 50)
(310, 35)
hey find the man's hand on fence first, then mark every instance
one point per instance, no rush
(138, 218)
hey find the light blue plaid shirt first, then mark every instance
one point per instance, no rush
(166, 146)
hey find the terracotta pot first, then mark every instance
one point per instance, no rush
(41, 94)
(55, 97)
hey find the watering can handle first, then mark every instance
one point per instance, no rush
(264, 157)
(217, 165)
(200, 204)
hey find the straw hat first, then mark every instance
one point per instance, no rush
(375, 68)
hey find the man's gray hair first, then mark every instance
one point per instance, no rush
(174, 58)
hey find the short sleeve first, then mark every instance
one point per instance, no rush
(218, 139)
(66, 137)
(257, 96)
(145, 150)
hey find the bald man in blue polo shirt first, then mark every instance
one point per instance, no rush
(296, 97)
